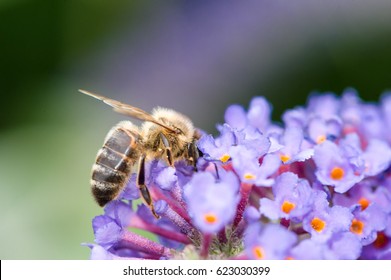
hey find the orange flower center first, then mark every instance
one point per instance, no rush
(210, 218)
(357, 226)
(320, 139)
(284, 158)
(337, 173)
(249, 176)
(287, 206)
(224, 158)
(364, 203)
(258, 252)
(318, 224)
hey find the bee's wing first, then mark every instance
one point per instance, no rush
(127, 109)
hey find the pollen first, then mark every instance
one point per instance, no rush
(318, 224)
(357, 226)
(249, 176)
(224, 158)
(337, 173)
(287, 206)
(364, 203)
(210, 218)
(320, 139)
(258, 252)
(284, 158)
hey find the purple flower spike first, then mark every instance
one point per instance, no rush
(317, 186)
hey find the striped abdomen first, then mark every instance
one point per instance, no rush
(114, 162)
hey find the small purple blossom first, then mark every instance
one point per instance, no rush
(257, 116)
(320, 129)
(271, 242)
(323, 221)
(368, 222)
(293, 198)
(249, 168)
(292, 146)
(335, 168)
(316, 187)
(212, 202)
(343, 246)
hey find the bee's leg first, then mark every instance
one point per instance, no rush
(193, 154)
(144, 192)
(168, 149)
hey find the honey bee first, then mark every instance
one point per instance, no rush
(164, 134)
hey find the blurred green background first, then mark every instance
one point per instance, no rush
(194, 56)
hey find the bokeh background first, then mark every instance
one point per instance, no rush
(194, 56)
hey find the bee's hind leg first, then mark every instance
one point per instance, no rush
(144, 192)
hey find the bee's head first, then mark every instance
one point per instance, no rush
(181, 125)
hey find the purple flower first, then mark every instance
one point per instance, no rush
(334, 168)
(297, 117)
(366, 223)
(292, 148)
(130, 192)
(211, 201)
(380, 249)
(377, 157)
(258, 115)
(343, 246)
(366, 193)
(249, 168)
(235, 116)
(220, 148)
(270, 242)
(320, 130)
(323, 222)
(167, 178)
(293, 198)
(325, 106)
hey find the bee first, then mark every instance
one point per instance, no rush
(164, 134)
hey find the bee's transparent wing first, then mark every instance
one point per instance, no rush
(127, 109)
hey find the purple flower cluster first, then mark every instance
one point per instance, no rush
(317, 186)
